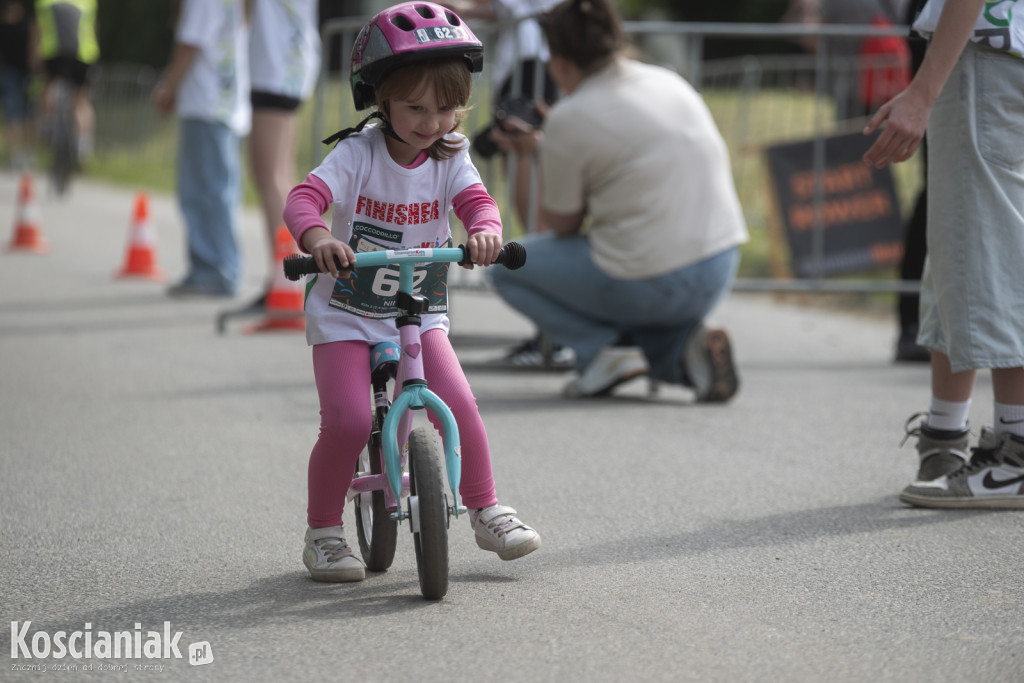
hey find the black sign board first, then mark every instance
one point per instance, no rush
(858, 214)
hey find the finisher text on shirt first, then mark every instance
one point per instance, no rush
(399, 214)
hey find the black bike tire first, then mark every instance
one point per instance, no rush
(377, 531)
(63, 143)
(426, 483)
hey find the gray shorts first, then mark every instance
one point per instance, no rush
(972, 290)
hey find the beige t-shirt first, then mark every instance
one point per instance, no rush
(636, 148)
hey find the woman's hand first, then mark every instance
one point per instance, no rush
(483, 248)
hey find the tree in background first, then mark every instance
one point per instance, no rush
(136, 31)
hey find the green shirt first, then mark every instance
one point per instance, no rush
(67, 28)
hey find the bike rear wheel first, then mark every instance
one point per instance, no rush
(377, 531)
(428, 506)
(63, 140)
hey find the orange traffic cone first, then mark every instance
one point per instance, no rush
(27, 236)
(140, 257)
(285, 310)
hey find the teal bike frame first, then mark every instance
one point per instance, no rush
(411, 387)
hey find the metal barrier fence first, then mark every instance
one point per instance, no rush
(758, 100)
(120, 95)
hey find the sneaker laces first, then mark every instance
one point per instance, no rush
(334, 549)
(980, 459)
(501, 524)
(916, 430)
(982, 456)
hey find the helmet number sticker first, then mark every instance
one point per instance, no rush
(438, 33)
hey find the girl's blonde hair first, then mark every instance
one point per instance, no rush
(452, 84)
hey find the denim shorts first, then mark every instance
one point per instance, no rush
(972, 289)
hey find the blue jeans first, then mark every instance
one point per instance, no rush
(575, 304)
(14, 94)
(209, 191)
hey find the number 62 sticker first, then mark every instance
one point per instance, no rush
(438, 33)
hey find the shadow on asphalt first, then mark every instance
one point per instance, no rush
(779, 530)
(266, 601)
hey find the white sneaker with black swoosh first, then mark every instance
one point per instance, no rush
(993, 478)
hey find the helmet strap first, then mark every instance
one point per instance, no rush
(342, 134)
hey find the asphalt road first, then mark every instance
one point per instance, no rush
(153, 470)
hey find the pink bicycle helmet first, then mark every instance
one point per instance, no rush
(407, 33)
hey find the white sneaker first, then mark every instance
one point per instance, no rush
(328, 557)
(497, 529)
(613, 366)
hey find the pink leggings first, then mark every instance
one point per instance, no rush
(342, 372)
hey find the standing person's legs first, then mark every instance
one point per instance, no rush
(209, 182)
(949, 386)
(971, 281)
(911, 268)
(271, 159)
(17, 108)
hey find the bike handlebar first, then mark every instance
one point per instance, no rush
(512, 256)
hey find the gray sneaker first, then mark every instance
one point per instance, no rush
(994, 478)
(939, 452)
(328, 557)
(708, 365)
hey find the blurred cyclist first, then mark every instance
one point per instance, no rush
(68, 47)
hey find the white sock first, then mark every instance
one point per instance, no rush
(949, 416)
(1008, 418)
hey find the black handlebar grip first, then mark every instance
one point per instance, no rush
(512, 256)
(297, 265)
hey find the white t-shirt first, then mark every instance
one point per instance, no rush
(379, 204)
(284, 47)
(636, 148)
(519, 41)
(216, 87)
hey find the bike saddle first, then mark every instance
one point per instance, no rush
(384, 360)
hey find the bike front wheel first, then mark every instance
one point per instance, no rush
(428, 507)
(377, 531)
